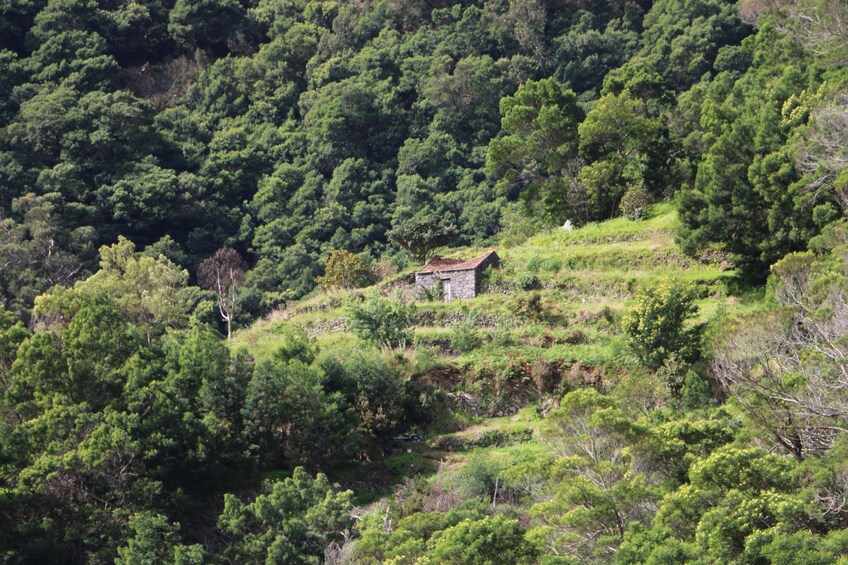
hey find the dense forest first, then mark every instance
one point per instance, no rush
(173, 170)
(287, 129)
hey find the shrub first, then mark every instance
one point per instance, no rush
(527, 281)
(345, 270)
(696, 392)
(382, 321)
(493, 539)
(534, 264)
(531, 307)
(491, 279)
(635, 202)
(659, 324)
(372, 386)
(296, 345)
(552, 265)
(477, 477)
(673, 374)
(464, 338)
(500, 337)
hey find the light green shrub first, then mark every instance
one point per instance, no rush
(659, 324)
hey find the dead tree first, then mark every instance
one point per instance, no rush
(223, 274)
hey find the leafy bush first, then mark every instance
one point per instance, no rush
(345, 270)
(500, 337)
(371, 386)
(527, 281)
(382, 321)
(292, 522)
(464, 338)
(552, 265)
(494, 539)
(534, 264)
(696, 392)
(530, 307)
(673, 374)
(659, 325)
(635, 202)
(492, 279)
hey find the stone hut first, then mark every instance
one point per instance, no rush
(460, 278)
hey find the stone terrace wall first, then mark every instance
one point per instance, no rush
(425, 318)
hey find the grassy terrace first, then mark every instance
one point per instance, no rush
(584, 279)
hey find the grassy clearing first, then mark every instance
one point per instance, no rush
(583, 280)
(591, 271)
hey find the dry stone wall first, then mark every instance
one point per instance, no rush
(425, 318)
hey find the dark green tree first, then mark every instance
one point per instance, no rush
(291, 522)
(536, 155)
(422, 236)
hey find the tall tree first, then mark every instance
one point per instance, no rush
(536, 156)
(223, 274)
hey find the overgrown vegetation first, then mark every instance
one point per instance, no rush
(177, 177)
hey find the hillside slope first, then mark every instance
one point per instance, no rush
(582, 279)
(546, 323)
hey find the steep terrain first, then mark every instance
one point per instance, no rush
(546, 323)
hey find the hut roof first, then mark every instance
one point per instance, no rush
(444, 264)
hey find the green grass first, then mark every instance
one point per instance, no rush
(587, 279)
(594, 269)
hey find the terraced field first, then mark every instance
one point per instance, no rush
(547, 323)
(582, 279)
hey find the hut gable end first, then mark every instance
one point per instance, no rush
(459, 278)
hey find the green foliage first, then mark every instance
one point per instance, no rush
(601, 488)
(281, 131)
(635, 202)
(615, 138)
(782, 365)
(345, 270)
(289, 131)
(422, 237)
(464, 337)
(538, 142)
(492, 540)
(659, 325)
(291, 522)
(531, 306)
(30, 267)
(382, 321)
(291, 416)
(373, 388)
(409, 538)
(152, 539)
(736, 501)
(527, 281)
(12, 334)
(204, 23)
